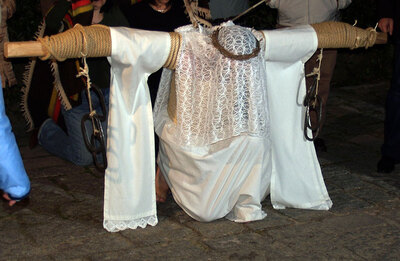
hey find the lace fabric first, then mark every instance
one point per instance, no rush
(216, 97)
(119, 225)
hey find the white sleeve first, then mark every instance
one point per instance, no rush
(290, 44)
(129, 188)
(296, 179)
(136, 52)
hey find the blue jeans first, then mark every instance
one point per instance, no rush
(391, 145)
(71, 146)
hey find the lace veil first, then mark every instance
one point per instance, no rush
(216, 97)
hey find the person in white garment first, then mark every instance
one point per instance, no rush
(229, 114)
(235, 136)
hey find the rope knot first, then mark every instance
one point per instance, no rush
(371, 37)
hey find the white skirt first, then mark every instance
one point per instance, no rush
(228, 179)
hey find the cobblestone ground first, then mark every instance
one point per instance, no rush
(63, 218)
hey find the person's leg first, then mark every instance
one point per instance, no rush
(13, 178)
(162, 187)
(327, 68)
(391, 145)
(70, 146)
(11, 202)
(97, 106)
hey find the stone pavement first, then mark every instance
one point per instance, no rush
(63, 218)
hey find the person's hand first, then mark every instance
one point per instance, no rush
(10, 201)
(386, 25)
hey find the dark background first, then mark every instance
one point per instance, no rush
(354, 67)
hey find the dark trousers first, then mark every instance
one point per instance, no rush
(391, 145)
(327, 68)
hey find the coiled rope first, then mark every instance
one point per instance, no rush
(342, 35)
(176, 40)
(89, 41)
(93, 41)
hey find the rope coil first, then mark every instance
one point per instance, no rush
(342, 35)
(176, 40)
(90, 41)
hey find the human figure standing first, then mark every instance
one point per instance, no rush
(389, 14)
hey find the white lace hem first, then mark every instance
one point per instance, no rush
(119, 225)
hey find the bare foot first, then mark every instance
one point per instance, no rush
(161, 187)
(10, 201)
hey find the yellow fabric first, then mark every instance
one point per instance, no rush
(52, 103)
(82, 9)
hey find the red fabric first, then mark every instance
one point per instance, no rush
(67, 17)
(78, 4)
(57, 110)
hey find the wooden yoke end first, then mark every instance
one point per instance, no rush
(23, 49)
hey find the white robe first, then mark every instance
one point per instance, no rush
(129, 195)
(228, 178)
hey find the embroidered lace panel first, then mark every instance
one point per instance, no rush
(217, 97)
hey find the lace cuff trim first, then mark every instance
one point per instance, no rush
(119, 225)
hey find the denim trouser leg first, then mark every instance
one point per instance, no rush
(391, 146)
(71, 146)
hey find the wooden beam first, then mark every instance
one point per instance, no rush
(35, 48)
(23, 49)
(381, 38)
